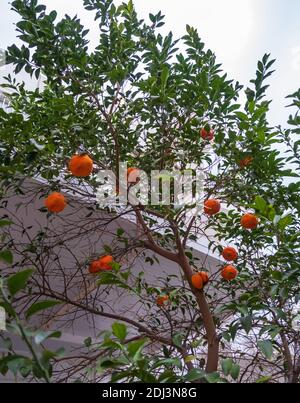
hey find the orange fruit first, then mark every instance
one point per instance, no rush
(249, 221)
(204, 276)
(197, 281)
(229, 253)
(132, 175)
(106, 262)
(95, 267)
(211, 207)
(207, 134)
(245, 162)
(55, 202)
(81, 165)
(162, 300)
(229, 273)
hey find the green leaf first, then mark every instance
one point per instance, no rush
(260, 204)
(214, 377)
(41, 306)
(120, 232)
(88, 342)
(168, 362)
(241, 115)
(119, 330)
(135, 348)
(177, 340)
(285, 221)
(18, 281)
(266, 347)
(235, 371)
(6, 256)
(164, 76)
(247, 323)
(194, 374)
(4, 223)
(226, 366)
(263, 379)
(53, 15)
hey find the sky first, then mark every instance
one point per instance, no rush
(239, 32)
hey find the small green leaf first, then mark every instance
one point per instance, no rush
(177, 340)
(214, 377)
(266, 347)
(226, 366)
(241, 115)
(4, 223)
(88, 342)
(40, 306)
(285, 221)
(119, 330)
(235, 371)
(194, 374)
(135, 348)
(247, 323)
(17, 282)
(6, 256)
(263, 379)
(260, 204)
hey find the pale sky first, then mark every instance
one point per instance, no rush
(238, 31)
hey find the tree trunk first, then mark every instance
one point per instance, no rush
(207, 317)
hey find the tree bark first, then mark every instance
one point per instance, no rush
(207, 317)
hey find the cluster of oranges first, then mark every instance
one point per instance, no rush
(81, 165)
(248, 221)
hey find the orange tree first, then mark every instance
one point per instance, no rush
(158, 104)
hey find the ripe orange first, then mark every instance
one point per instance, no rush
(249, 221)
(81, 165)
(245, 162)
(229, 272)
(211, 207)
(95, 267)
(162, 300)
(132, 175)
(106, 262)
(204, 276)
(207, 135)
(55, 202)
(197, 281)
(229, 253)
